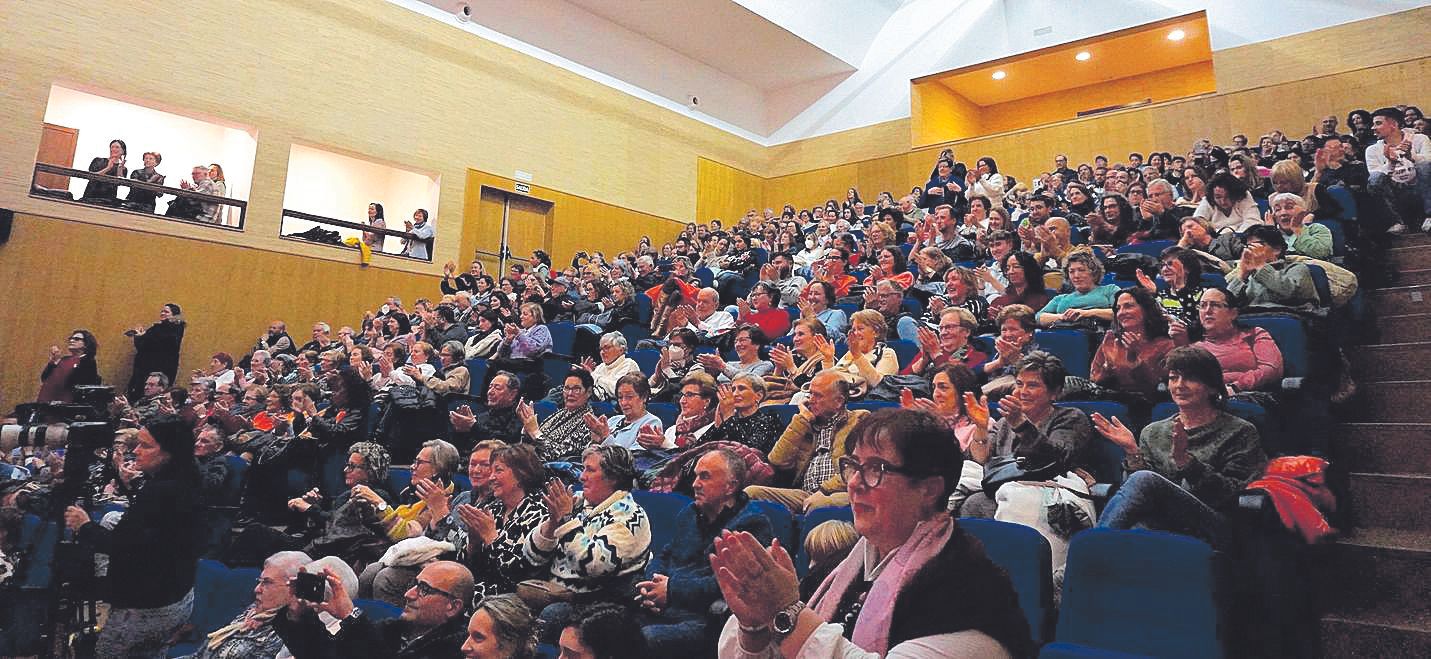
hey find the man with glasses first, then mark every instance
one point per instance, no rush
(431, 624)
(807, 453)
(888, 299)
(251, 633)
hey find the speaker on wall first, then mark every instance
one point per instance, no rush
(7, 218)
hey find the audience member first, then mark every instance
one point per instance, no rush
(1186, 471)
(251, 633)
(501, 628)
(1090, 305)
(103, 192)
(624, 429)
(75, 367)
(1400, 167)
(422, 231)
(900, 472)
(156, 348)
(1130, 358)
(1265, 279)
(140, 199)
(602, 631)
(807, 454)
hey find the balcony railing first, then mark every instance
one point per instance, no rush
(222, 220)
(335, 239)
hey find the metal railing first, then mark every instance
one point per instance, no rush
(36, 190)
(359, 226)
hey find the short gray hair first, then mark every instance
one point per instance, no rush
(1161, 183)
(614, 339)
(288, 561)
(163, 379)
(444, 457)
(739, 470)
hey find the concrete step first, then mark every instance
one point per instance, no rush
(1371, 569)
(1391, 361)
(1410, 257)
(1409, 328)
(1414, 277)
(1401, 401)
(1390, 501)
(1383, 448)
(1375, 634)
(1401, 300)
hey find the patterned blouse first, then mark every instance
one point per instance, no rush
(499, 566)
(564, 435)
(596, 545)
(758, 431)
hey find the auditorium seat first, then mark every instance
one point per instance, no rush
(377, 609)
(544, 409)
(1139, 592)
(399, 478)
(1291, 337)
(782, 522)
(666, 412)
(646, 359)
(1151, 248)
(1023, 553)
(477, 370)
(563, 336)
(905, 350)
(662, 508)
(1347, 201)
(1070, 346)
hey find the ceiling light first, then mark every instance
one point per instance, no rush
(1083, 56)
(1177, 35)
(999, 75)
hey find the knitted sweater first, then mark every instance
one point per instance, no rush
(596, 545)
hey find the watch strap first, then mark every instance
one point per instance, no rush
(786, 620)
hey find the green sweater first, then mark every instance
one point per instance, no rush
(1226, 456)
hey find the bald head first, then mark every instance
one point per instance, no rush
(707, 300)
(442, 592)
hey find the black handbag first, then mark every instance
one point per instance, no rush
(1002, 469)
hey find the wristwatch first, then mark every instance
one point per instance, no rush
(786, 619)
(354, 616)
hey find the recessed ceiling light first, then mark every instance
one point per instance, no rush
(1083, 56)
(999, 75)
(1176, 35)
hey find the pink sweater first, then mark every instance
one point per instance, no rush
(1250, 359)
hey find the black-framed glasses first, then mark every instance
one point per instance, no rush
(77, 338)
(870, 473)
(420, 461)
(424, 589)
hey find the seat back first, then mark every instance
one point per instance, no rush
(1025, 555)
(555, 368)
(1105, 456)
(635, 333)
(904, 350)
(785, 412)
(662, 509)
(666, 412)
(563, 336)
(1070, 346)
(1141, 592)
(544, 409)
(1291, 337)
(378, 609)
(646, 359)
(1151, 248)
(477, 370)
(1344, 198)
(782, 522)
(399, 478)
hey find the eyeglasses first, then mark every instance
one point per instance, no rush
(690, 394)
(420, 461)
(871, 473)
(77, 338)
(353, 467)
(424, 589)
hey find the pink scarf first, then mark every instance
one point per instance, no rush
(876, 616)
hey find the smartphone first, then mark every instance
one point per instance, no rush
(309, 587)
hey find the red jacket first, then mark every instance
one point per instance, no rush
(1297, 485)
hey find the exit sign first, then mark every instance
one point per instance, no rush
(524, 188)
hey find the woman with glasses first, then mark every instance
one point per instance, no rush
(632, 394)
(1250, 358)
(900, 470)
(564, 434)
(69, 368)
(749, 341)
(1185, 471)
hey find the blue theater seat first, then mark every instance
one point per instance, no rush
(1070, 346)
(1025, 555)
(1139, 592)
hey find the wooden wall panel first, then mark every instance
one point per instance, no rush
(1359, 44)
(63, 275)
(726, 193)
(1181, 82)
(940, 114)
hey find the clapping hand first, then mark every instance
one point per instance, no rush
(743, 305)
(1144, 281)
(1013, 409)
(480, 523)
(649, 437)
(599, 426)
(1178, 331)
(978, 410)
(652, 594)
(825, 347)
(928, 342)
(462, 418)
(559, 499)
(807, 310)
(1180, 455)
(937, 303)
(55, 354)
(783, 359)
(1114, 430)
(588, 364)
(434, 495)
(756, 582)
(725, 400)
(712, 363)
(367, 494)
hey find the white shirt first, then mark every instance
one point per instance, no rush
(1376, 160)
(719, 322)
(418, 248)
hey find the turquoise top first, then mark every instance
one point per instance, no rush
(1100, 297)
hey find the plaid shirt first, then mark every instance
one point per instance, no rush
(822, 466)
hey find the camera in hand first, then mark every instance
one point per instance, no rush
(309, 587)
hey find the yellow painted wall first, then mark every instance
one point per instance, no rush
(726, 193)
(62, 275)
(940, 114)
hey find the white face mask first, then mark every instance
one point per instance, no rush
(809, 244)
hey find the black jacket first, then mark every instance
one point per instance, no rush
(156, 350)
(154, 550)
(364, 638)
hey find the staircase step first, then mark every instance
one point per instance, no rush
(1414, 277)
(1393, 501)
(1385, 448)
(1391, 361)
(1415, 239)
(1376, 634)
(1399, 401)
(1376, 570)
(1411, 257)
(1402, 300)
(1409, 328)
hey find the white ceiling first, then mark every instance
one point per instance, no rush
(775, 71)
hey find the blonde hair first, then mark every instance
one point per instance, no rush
(830, 542)
(871, 319)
